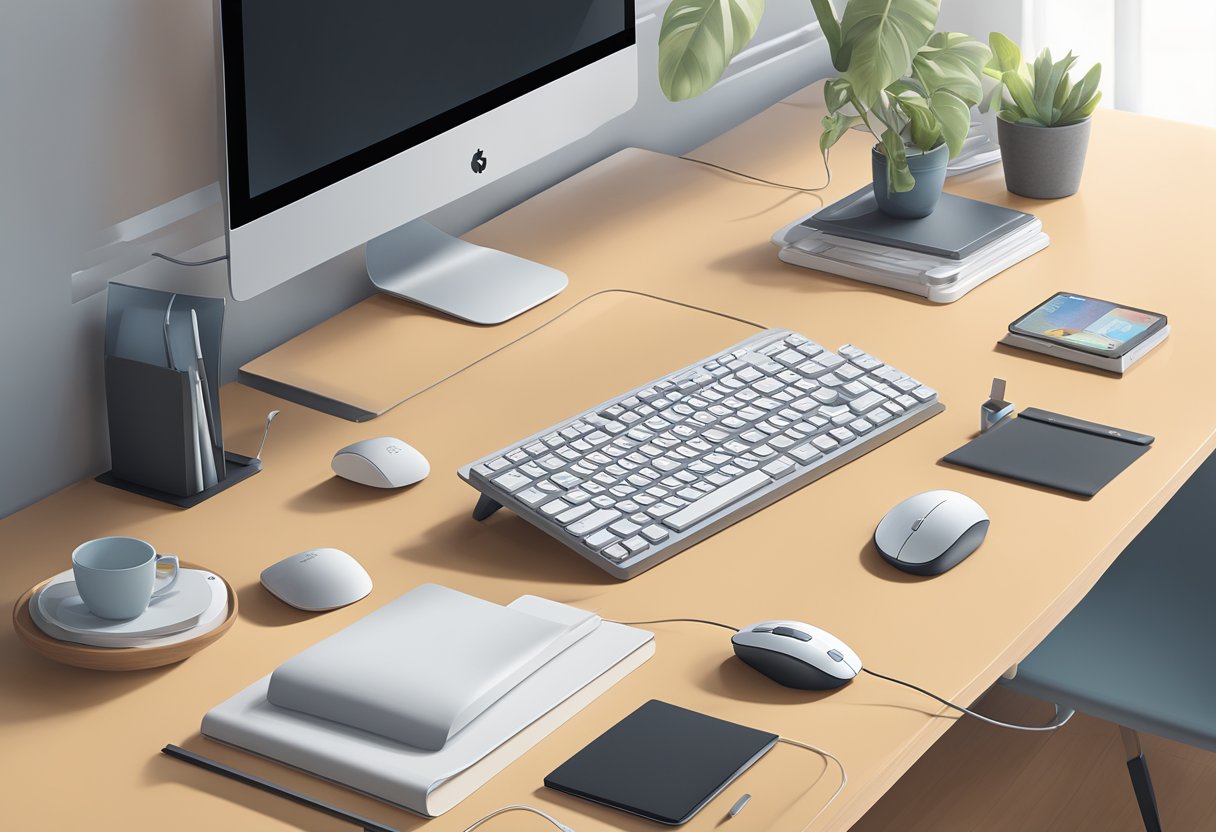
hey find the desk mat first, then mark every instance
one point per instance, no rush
(326, 368)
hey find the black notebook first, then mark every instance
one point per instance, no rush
(661, 762)
(957, 228)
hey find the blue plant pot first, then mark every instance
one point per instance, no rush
(929, 171)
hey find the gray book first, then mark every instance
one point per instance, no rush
(957, 228)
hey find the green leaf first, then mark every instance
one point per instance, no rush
(825, 12)
(1045, 91)
(834, 126)
(699, 38)
(924, 128)
(952, 61)
(1082, 94)
(955, 116)
(1023, 98)
(879, 38)
(837, 93)
(1083, 112)
(899, 178)
(1006, 56)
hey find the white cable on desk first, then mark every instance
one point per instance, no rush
(1056, 722)
(519, 808)
(844, 775)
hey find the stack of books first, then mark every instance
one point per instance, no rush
(940, 257)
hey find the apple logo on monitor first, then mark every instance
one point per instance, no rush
(478, 164)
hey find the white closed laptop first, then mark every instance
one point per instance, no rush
(423, 666)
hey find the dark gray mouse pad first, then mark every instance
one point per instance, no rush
(1053, 450)
(661, 762)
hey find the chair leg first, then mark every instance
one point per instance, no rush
(1142, 784)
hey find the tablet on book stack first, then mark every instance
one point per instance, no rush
(940, 257)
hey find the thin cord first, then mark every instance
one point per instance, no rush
(175, 261)
(558, 317)
(519, 808)
(844, 775)
(1055, 724)
(674, 620)
(742, 175)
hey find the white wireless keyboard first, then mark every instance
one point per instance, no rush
(643, 476)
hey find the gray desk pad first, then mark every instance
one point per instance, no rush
(1032, 449)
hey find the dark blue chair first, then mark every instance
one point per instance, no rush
(1140, 648)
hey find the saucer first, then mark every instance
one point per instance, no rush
(213, 617)
(119, 658)
(175, 611)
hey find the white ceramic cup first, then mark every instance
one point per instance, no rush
(118, 576)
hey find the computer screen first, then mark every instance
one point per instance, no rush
(330, 88)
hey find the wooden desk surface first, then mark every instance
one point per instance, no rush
(80, 748)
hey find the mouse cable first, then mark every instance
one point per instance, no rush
(177, 262)
(519, 808)
(762, 181)
(1058, 721)
(844, 775)
(675, 621)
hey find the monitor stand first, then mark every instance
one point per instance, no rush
(420, 263)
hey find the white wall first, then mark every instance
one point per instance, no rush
(107, 109)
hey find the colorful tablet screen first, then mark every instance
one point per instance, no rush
(1087, 322)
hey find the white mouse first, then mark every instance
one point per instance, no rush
(931, 532)
(383, 462)
(797, 655)
(317, 580)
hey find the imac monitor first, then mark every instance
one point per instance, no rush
(346, 121)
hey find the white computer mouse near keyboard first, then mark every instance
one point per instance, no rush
(383, 462)
(317, 580)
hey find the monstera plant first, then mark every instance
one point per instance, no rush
(912, 88)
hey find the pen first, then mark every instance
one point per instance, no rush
(202, 373)
(266, 786)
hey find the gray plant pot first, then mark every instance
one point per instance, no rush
(1043, 162)
(929, 171)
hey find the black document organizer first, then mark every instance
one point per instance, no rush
(1033, 448)
(149, 405)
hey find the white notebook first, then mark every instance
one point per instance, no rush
(423, 666)
(431, 782)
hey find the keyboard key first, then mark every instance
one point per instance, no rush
(512, 481)
(636, 544)
(624, 528)
(594, 521)
(531, 497)
(616, 552)
(655, 533)
(570, 515)
(806, 453)
(779, 467)
(734, 491)
(600, 539)
(866, 402)
(554, 507)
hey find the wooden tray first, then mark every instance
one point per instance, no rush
(114, 658)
